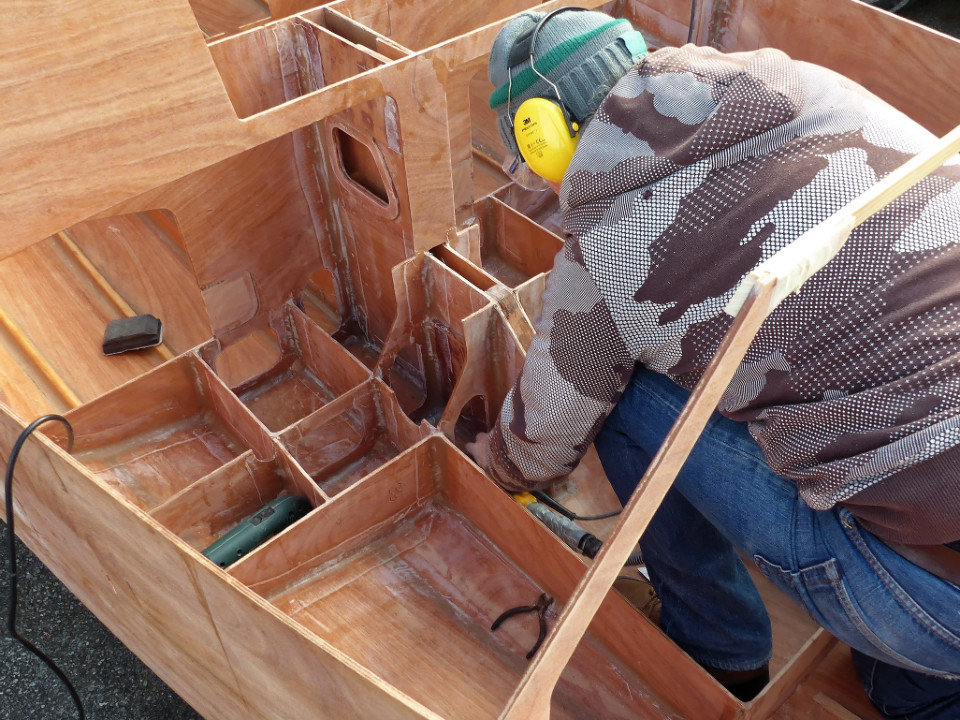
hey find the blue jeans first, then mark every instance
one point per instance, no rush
(902, 622)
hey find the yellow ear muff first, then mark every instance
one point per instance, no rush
(543, 137)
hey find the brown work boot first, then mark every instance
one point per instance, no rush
(639, 592)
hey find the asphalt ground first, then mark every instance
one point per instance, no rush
(111, 680)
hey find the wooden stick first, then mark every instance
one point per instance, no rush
(531, 701)
(798, 261)
(39, 362)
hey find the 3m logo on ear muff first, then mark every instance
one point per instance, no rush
(543, 136)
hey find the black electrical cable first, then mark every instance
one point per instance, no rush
(12, 552)
(567, 512)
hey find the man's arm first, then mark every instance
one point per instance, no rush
(574, 373)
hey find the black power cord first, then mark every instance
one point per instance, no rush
(567, 512)
(12, 553)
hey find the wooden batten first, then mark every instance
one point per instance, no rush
(619, 626)
(59, 295)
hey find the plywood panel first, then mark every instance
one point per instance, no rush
(94, 116)
(63, 314)
(148, 268)
(851, 38)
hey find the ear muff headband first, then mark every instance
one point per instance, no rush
(533, 50)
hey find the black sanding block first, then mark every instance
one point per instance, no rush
(134, 333)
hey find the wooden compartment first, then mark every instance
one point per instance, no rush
(426, 350)
(269, 65)
(351, 437)
(407, 576)
(211, 507)
(541, 207)
(288, 372)
(508, 248)
(513, 248)
(156, 435)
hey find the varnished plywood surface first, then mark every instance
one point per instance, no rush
(141, 257)
(97, 109)
(409, 602)
(62, 314)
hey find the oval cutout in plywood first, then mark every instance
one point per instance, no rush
(361, 172)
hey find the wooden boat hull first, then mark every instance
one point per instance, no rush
(309, 197)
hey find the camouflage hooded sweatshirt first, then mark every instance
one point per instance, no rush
(696, 167)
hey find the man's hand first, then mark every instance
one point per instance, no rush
(479, 450)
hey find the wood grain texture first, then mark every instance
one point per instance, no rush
(62, 314)
(129, 571)
(147, 268)
(531, 697)
(118, 86)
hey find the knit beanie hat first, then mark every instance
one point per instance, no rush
(584, 53)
